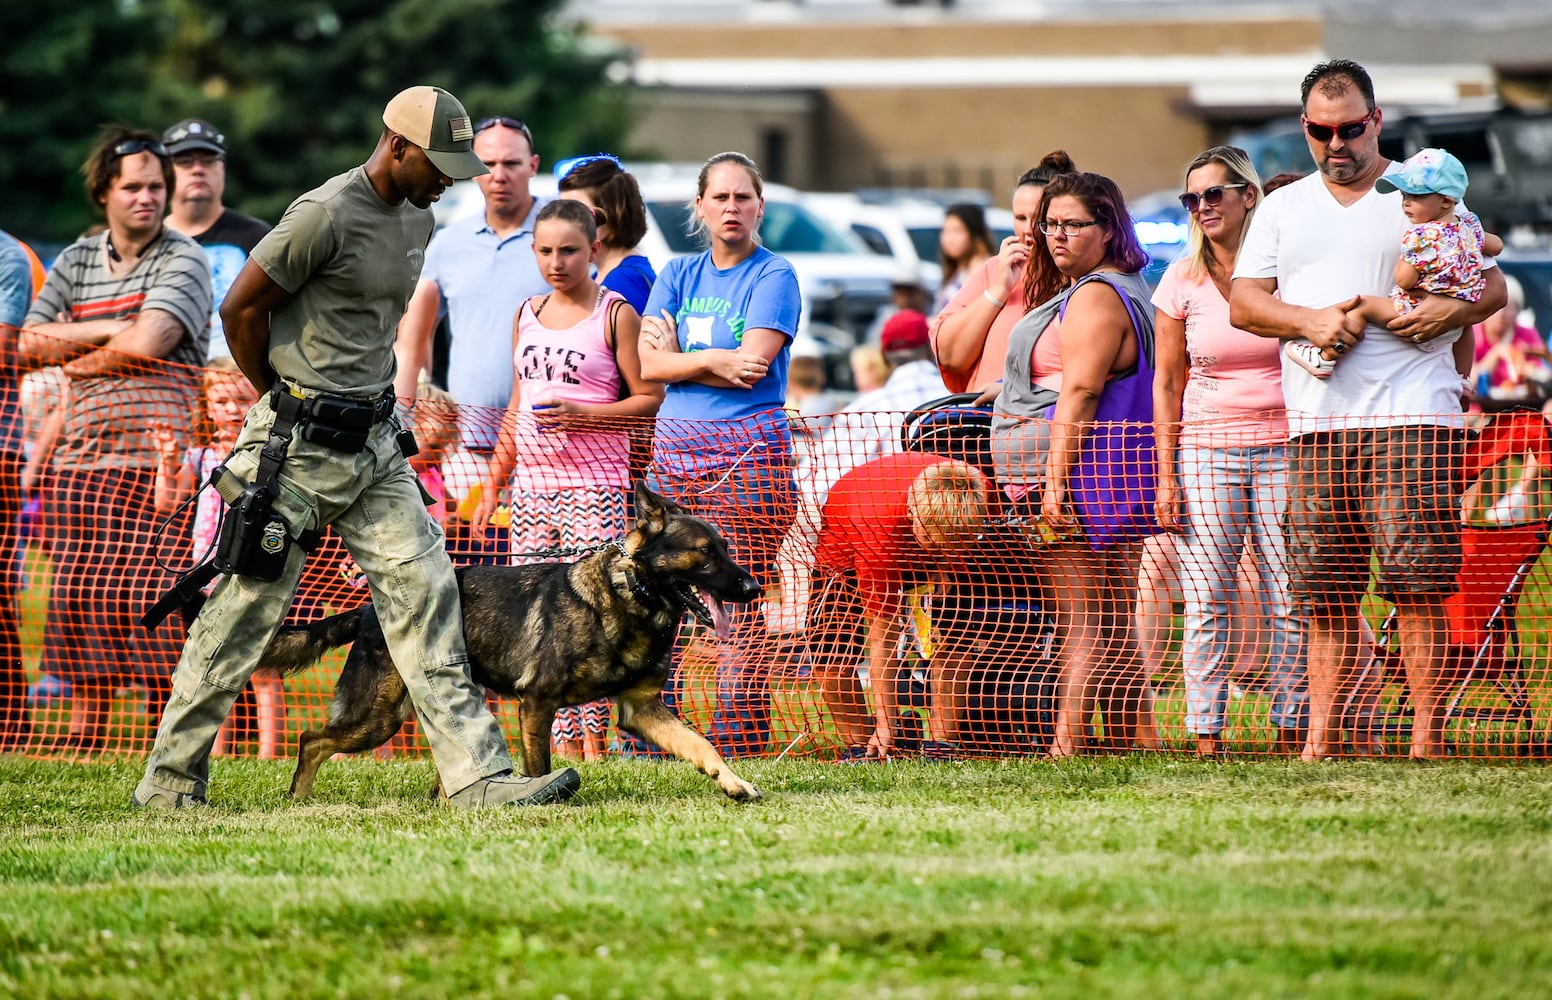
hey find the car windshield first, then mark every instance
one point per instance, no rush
(925, 240)
(788, 228)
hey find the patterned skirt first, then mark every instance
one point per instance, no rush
(551, 526)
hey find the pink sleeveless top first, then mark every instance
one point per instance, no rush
(574, 364)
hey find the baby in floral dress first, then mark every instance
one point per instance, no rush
(1440, 253)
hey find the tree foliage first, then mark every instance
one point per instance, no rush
(298, 86)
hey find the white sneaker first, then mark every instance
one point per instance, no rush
(1307, 356)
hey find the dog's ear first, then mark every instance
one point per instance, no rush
(653, 511)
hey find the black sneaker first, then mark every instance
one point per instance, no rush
(854, 755)
(935, 751)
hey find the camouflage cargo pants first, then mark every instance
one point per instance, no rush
(374, 504)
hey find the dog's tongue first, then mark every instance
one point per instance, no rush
(721, 621)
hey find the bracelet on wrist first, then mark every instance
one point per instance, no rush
(994, 300)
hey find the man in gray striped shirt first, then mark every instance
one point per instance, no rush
(125, 314)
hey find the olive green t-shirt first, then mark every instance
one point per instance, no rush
(350, 262)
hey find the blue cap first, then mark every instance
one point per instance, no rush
(1429, 171)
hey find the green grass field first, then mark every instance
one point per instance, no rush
(1119, 877)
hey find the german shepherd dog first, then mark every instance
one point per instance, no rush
(551, 635)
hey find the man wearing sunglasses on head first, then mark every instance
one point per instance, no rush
(478, 271)
(198, 151)
(125, 314)
(1373, 447)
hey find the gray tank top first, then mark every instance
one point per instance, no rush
(1021, 425)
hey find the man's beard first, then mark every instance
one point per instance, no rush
(1344, 171)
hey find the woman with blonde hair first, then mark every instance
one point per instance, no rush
(1068, 429)
(869, 370)
(1222, 462)
(718, 332)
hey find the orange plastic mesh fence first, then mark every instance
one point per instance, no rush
(954, 622)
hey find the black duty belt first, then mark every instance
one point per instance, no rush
(343, 423)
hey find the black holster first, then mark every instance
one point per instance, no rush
(254, 538)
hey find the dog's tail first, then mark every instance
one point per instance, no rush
(297, 647)
(294, 648)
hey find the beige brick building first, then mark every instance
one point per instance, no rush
(828, 100)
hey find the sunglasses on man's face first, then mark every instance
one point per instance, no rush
(129, 147)
(1213, 196)
(1347, 131)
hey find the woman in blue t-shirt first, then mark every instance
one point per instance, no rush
(718, 330)
(600, 183)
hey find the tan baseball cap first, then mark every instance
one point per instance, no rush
(433, 119)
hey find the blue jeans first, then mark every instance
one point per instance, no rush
(753, 504)
(1232, 494)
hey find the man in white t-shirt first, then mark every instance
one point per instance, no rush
(1374, 449)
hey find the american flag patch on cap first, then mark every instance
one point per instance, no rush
(462, 130)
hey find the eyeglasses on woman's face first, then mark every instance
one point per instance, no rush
(1191, 201)
(1347, 131)
(1070, 228)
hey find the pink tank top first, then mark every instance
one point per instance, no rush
(1045, 363)
(575, 364)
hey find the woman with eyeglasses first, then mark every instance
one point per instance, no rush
(1221, 430)
(615, 198)
(718, 330)
(970, 333)
(1068, 430)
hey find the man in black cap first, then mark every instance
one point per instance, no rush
(198, 151)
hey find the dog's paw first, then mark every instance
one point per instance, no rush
(738, 789)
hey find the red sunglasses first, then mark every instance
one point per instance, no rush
(1347, 131)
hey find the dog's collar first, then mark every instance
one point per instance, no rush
(639, 590)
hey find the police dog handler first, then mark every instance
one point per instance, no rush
(311, 320)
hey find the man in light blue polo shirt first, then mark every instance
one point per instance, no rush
(15, 298)
(478, 271)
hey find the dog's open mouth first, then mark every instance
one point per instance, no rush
(706, 608)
